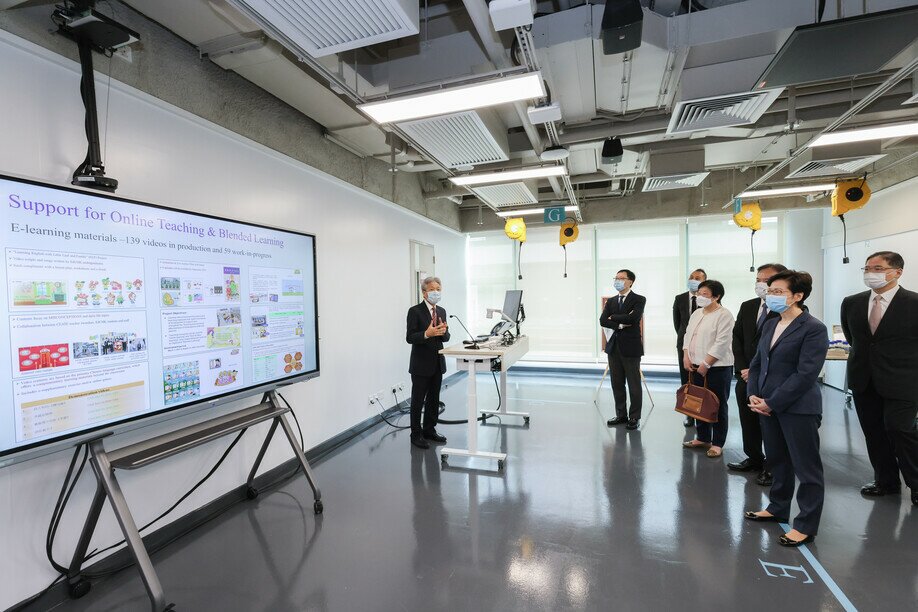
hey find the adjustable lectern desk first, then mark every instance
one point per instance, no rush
(486, 359)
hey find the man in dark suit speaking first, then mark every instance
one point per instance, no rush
(683, 307)
(427, 331)
(881, 325)
(623, 314)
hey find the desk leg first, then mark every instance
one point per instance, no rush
(504, 400)
(472, 411)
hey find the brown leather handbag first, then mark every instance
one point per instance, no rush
(698, 402)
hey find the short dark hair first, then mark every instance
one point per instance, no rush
(629, 274)
(797, 282)
(699, 270)
(715, 287)
(774, 266)
(893, 259)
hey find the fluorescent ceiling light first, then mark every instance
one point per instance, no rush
(530, 211)
(455, 99)
(876, 133)
(764, 193)
(508, 176)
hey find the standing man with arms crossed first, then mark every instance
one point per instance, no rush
(881, 325)
(749, 322)
(623, 314)
(683, 307)
(427, 331)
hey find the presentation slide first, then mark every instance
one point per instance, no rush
(117, 310)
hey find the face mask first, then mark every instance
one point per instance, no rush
(693, 285)
(761, 289)
(776, 303)
(619, 285)
(875, 280)
(702, 301)
(433, 297)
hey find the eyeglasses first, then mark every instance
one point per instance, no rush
(777, 292)
(876, 269)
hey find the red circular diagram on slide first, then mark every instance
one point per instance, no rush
(43, 357)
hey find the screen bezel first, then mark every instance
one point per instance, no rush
(7, 455)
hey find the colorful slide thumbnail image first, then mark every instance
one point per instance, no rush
(39, 293)
(116, 343)
(75, 399)
(195, 330)
(277, 323)
(268, 285)
(42, 343)
(187, 283)
(278, 363)
(44, 357)
(181, 382)
(82, 281)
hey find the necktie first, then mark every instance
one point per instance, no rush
(761, 318)
(876, 315)
(694, 304)
(621, 300)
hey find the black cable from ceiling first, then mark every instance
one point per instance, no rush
(822, 10)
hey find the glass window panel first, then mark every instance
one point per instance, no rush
(491, 271)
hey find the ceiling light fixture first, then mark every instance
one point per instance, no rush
(455, 99)
(780, 191)
(900, 130)
(531, 211)
(508, 176)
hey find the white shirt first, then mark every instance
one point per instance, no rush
(710, 333)
(779, 329)
(885, 299)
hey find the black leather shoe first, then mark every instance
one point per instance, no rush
(765, 479)
(786, 541)
(419, 442)
(435, 437)
(746, 465)
(689, 422)
(616, 421)
(752, 516)
(875, 490)
(632, 425)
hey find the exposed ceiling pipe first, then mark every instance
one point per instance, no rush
(866, 101)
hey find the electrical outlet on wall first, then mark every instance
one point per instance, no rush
(373, 400)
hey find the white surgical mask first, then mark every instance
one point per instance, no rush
(875, 280)
(702, 301)
(619, 285)
(761, 289)
(433, 297)
(693, 285)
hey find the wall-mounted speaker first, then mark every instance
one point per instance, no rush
(622, 22)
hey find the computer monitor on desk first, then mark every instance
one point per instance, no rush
(513, 300)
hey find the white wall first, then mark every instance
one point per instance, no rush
(163, 155)
(889, 222)
(803, 251)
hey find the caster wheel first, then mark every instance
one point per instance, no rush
(318, 507)
(526, 420)
(251, 492)
(443, 458)
(500, 465)
(79, 589)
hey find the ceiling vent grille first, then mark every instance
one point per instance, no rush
(721, 111)
(507, 194)
(674, 181)
(460, 139)
(324, 27)
(833, 167)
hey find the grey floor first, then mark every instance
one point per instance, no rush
(583, 518)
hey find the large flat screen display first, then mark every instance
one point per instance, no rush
(114, 310)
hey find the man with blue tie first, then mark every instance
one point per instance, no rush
(622, 315)
(881, 325)
(749, 321)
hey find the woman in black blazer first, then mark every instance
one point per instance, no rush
(783, 390)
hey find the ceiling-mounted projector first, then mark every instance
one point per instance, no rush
(622, 22)
(612, 151)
